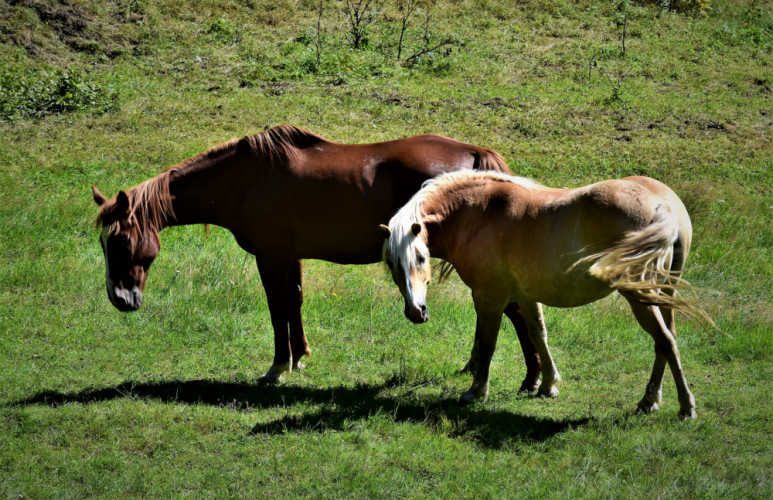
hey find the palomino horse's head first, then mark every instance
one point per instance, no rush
(129, 246)
(407, 257)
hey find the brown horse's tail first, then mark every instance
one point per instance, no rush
(488, 159)
(640, 267)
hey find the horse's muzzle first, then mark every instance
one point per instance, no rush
(126, 300)
(417, 315)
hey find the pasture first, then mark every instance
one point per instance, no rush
(166, 401)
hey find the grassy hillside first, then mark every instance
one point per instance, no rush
(165, 401)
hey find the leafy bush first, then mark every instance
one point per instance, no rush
(224, 30)
(40, 92)
(682, 6)
(337, 62)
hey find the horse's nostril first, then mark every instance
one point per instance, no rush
(119, 300)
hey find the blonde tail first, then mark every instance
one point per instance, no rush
(639, 267)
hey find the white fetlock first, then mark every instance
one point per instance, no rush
(549, 389)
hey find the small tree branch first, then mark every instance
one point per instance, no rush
(427, 50)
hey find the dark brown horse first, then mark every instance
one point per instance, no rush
(286, 194)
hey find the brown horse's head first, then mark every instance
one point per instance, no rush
(129, 244)
(407, 257)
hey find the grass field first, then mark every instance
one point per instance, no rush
(165, 402)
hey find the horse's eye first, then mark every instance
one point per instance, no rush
(421, 260)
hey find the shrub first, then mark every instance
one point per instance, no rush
(682, 6)
(40, 92)
(224, 30)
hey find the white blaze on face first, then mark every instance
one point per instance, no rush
(417, 273)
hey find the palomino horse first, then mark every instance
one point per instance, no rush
(513, 240)
(286, 194)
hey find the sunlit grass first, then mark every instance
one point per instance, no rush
(165, 401)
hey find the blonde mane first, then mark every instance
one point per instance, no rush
(401, 243)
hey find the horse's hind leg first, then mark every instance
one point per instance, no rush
(299, 346)
(653, 322)
(653, 393)
(535, 322)
(530, 355)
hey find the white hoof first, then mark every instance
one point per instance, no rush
(687, 414)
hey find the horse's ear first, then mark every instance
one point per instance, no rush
(385, 231)
(99, 198)
(416, 229)
(122, 203)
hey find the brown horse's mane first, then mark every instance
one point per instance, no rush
(151, 203)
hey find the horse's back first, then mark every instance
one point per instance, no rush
(427, 155)
(559, 228)
(328, 200)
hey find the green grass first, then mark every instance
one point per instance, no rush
(165, 401)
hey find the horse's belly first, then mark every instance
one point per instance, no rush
(567, 292)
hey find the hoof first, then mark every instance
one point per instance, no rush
(528, 386)
(469, 398)
(689, 414)
(647, 407)
(298, 367)
(275, 374)
(270, 378)
(550, 392)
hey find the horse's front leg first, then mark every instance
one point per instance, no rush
(486, 333)
(530, 354)
(472, 364)
(274, 275)
(299, 346)
(535, 322)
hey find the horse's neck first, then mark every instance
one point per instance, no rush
(438, 216)
(448, 220)
(209, 193)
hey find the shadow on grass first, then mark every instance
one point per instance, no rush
(335, 408)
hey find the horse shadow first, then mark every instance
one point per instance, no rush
(332, 408)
